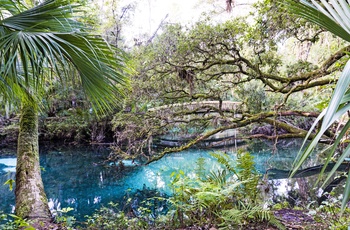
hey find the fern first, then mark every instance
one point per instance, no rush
(218, 178)
(224, 159)
(200, 168)
(209, 199)
(247, 172)
(275, 222)
(242, 213)
(217, 199)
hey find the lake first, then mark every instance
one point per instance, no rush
(79, 178)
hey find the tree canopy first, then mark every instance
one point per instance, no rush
(241, 60)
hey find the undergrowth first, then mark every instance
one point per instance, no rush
(225, 198)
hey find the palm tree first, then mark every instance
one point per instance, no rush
(334, 17)
(42, 43)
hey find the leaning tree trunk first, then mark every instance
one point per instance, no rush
(31, 201)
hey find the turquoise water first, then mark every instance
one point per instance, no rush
(78, 178)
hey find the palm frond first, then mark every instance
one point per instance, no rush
(10, 7)
(51, 15)
(46, 39)
(334, 17)
(325, 17)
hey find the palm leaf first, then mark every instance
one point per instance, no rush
(317, 14)
(332, 150)
(9, 7)
(51, 15)
(334, 17)
(43, 39)
(346, 194)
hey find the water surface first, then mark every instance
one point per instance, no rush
(79, 178)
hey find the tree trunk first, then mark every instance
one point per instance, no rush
(31, 201)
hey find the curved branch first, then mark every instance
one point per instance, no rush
(262, 117)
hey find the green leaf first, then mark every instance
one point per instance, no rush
(38, 41)
(68, 209)
(332, 149)
(10, 182)
(334, 17)
(346, 194)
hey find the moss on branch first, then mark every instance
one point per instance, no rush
(293, 132)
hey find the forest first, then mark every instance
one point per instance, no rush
(234, 118)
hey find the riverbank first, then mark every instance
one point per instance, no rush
(70, 129)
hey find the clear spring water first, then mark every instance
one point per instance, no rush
(79, 179)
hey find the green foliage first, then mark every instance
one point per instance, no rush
(218, 177)
(300, 67)
(225, 160)
(58, 97)
(52, 38)
(235, 60)
(226, 197)
(64, 219)
(13, 222)
(111, 218)
(254, 97)
(334, 18)
(200, 168)
(73, 125)
(281, 205)
(6, 223)
(247, 172)
(136, 212)
(242, 214)
(330, 211)
(10, 183)
(47, 43)
(134, 132)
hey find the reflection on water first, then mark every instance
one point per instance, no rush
(8, 164)
(76, 179)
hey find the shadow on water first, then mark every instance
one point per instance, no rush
(75, 178)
